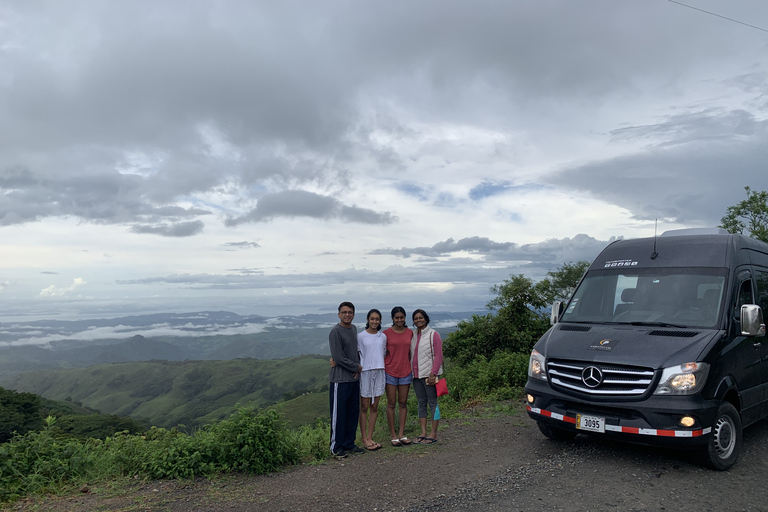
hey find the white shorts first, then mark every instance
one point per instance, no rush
(372, 383)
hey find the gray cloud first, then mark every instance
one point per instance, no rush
(287, 96)
(497, 262)
(229, 246)
(300, 203)
(180, 229)
(692, 168)
(579, 247)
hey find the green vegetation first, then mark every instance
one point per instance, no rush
(19, 412)
(750, 214)
(171, 393)
(249, 441)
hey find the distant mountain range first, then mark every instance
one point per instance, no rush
(207, 335)
(191, 393)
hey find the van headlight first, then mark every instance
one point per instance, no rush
(683, 379)
(537, 368)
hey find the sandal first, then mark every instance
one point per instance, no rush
(373, 446)
(428, 440)
(395, 442)
(419, 439)
(405, 440)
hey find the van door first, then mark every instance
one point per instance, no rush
(748, 355)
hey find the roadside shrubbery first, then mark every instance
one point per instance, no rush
(499, 378)
(250, 441)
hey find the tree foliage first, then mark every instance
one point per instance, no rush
(520, 316)
(750, 214)
(19, 413)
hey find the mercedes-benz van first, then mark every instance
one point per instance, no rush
(663, 343)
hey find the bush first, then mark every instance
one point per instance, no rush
(251, 441)
(497, 378)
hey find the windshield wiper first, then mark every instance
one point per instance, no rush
(659, 324)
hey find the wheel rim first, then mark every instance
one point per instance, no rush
(725, 438)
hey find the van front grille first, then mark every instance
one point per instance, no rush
(598, 379)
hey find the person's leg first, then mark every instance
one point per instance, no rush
(365, 403)
(419, 387)
(432, 399)
(402, 400)
(374, 414)
(338, 402)
(352, 414)
(391, 401)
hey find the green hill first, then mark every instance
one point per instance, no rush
(169, 393)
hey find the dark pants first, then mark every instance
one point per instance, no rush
(345, 412)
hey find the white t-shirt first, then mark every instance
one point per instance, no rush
(372, 348)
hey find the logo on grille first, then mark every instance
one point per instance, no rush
(592, 376)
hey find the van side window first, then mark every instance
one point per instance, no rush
(761, 279)
(745, 294)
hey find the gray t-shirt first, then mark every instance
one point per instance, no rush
(343, 342)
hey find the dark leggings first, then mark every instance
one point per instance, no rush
(425, 394)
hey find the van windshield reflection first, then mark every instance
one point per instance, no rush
(662, 297)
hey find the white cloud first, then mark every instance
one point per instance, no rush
(54, 291)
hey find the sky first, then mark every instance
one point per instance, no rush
(276, 158)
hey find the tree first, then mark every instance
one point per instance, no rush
(562, 282)
(520, 316)
(750, 214)
(19, 413)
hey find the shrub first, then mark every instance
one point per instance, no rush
(497, 378)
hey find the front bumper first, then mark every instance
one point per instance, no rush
(654, 420)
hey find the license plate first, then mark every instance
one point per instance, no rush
(591, 423)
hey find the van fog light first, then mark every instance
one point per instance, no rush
(687, 421)
(529, 398)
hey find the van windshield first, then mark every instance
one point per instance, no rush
(689, 297)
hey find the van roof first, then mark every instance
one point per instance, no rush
(690, 250)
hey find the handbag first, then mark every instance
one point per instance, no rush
(441, 387)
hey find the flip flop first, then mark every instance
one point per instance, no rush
(419, 439)
(373, 446)
(405, 440)
(395, 442)
(428, 440)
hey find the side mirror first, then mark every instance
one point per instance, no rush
(557, 310)
(752, 320)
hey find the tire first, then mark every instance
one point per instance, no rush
(724, 445)
(554, 433)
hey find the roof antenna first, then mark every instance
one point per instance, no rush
(654, 254)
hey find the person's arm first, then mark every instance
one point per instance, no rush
(384, 345)
(437, 347)
(337, 354)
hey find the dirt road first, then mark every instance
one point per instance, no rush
(500, 463)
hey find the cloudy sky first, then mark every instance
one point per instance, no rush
(273, 158)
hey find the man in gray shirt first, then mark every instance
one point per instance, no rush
(344, 383)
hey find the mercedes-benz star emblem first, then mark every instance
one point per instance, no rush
(592, 376)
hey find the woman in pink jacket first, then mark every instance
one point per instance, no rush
(427, 364)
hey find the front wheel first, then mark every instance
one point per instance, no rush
(724, 444)
(554, 433)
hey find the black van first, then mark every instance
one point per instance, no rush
(661, 343)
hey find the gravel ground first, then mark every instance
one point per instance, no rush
(500, 463)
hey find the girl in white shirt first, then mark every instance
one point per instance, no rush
(372, 346)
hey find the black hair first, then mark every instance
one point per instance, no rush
(348, 304)
(369, 316)
(398, 309)
(423, 313)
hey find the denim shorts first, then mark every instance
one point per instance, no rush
(399, 381)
